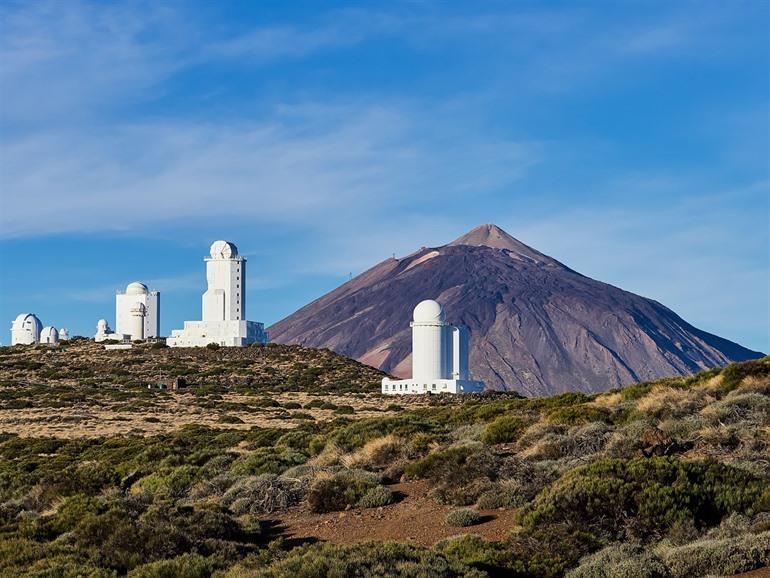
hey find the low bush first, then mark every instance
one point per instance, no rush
(463, 518)
(359, 432)
(621, 561)
(268, 460)
(331, 493)
(187, 565)
(370, 560)
(376, 497)
(459, 474)
(620, 499)
(264, 494)
(504, 494)
(504, 429)
(722, 557)
(578, 414)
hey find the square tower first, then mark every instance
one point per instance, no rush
(225, 298)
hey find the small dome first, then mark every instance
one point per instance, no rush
(429, 311)
(64, 334)
(101, 324)
(136, 288)
(223, 250)
(49, 334)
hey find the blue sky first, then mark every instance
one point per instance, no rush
(629, 140)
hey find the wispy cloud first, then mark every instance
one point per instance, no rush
(288, 169)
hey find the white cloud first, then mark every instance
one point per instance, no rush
(344, 162)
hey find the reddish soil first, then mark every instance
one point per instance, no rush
(761, 573)
(415, 518)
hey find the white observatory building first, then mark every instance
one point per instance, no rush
(49, 335)
(439, 356)
(25, 329)
(137, 312)
(137, 315)
(224, 305)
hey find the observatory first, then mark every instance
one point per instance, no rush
(49, 336)
(25, 329)
(439, 356)
(224, 305)
(137, 315)
(126, 306)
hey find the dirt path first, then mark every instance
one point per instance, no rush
(416, 518)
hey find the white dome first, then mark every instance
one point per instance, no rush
(428, 311)
(101, 324)
(27, 320)
(64, 334)
(136, 288)
(223, 250)
(49, 334)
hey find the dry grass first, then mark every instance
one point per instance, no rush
(610, 401)
(170, 412)
(376, 453)
(672, 401)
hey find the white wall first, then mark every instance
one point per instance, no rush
(428, 358)
(124, 323)
(225, 299)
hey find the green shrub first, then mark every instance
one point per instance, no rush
(621, 561)
(722, 557)
(359, 432)
(578, 415)
(268, 460)
(463, 518)
(187, 565)
(504, 429)
(644, 497)
(227, 418)
(172, 483)
(504, 494)
(370, 560)
(345, 488)
(459, 475)
(473, 550)
(376, 497)
(733, 374)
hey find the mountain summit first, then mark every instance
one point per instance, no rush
(536, 326)
(494, 237)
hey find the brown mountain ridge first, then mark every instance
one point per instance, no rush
(536, 325)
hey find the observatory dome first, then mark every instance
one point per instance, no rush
(429, 311)
(49, 335)
(102, 325)
(27, 320)
(223, 250)
(136, 288)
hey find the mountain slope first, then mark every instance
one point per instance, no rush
(536, 325)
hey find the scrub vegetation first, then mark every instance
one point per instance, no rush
(666, 479)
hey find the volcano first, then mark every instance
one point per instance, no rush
(537, 326)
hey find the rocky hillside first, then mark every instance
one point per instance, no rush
(259, 368)
(536, 325)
